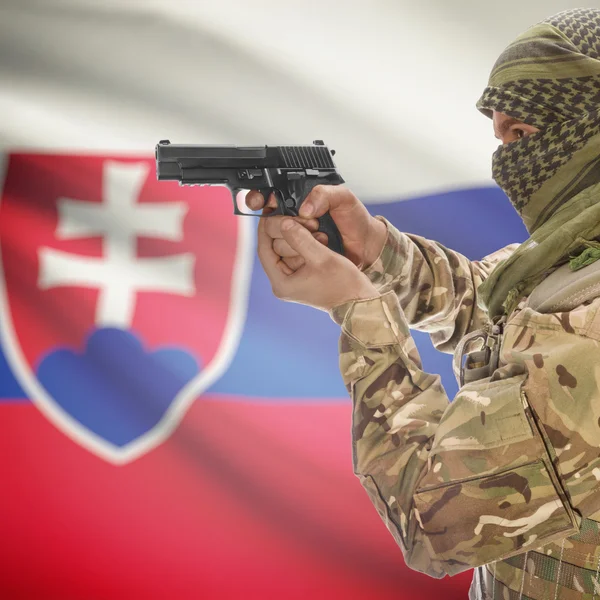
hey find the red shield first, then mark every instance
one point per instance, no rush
(121, 298)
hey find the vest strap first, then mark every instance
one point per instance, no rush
(493, 589)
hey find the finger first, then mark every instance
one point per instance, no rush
(294, 262)
(321, 237)
(302, 241)
(316, 203)
(325, 198)
(254, 200)
(272, 264)
(272, 201)
(273, 225)
(283, 249)
(285, 268)
(270, 205)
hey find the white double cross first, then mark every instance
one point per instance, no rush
(120, 220)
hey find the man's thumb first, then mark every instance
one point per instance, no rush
(317, 202)
(301, 240)
(327, 198)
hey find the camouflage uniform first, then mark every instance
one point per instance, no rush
(504, 479)
(507, 474)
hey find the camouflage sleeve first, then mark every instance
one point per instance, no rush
(457, 484)
(436, 286)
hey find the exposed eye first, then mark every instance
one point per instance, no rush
(519, 133)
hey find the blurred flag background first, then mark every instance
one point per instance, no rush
(168, 429)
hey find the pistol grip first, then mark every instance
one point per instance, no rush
(334, 239)
(326, 223)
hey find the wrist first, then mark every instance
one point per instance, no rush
(376, 240)
(340, 309)
(365, 291)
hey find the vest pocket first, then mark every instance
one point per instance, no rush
(477, 520)
(484, 414)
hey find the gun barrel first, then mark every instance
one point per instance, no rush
(171, 159)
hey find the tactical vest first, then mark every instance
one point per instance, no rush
(566, 570)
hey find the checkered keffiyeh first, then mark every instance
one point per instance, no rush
(549, 77)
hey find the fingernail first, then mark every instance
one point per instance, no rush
(287, 224)
(307, 209)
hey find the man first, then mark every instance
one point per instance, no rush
(505, 478)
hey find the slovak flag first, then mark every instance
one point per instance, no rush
(168, 429)
(167, 425)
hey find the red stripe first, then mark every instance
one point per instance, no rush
(243, 501)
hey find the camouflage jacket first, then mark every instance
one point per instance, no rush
(512, 463)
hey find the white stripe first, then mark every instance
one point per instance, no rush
(390, 85)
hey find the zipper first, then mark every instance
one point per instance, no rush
(551, 457)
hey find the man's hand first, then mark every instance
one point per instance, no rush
(324, 281)
(362, 234)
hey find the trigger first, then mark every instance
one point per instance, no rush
(280, 209)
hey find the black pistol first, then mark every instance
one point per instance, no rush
(289, 172)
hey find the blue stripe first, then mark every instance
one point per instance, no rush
(290, 351)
